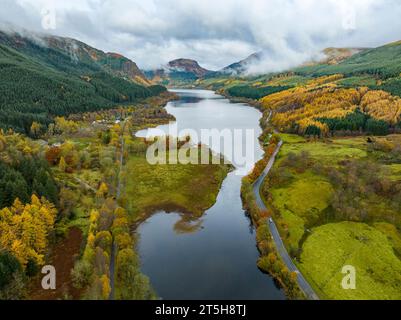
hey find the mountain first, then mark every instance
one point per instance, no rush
(179, 72)
(113, 63)
(383, 62)
(78, 51)
(188, 66)
(331, 56)
(44, 77)
(239, 68)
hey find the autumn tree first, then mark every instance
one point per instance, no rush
(65, 126)
(36, 129)
(318, 109)
(2, 141)
(106, 288)
(68, 200)
(12, 277)
(102, 191)
(62, 165)
(53, 155)
(24, 229)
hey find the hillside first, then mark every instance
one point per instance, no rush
(350, 92)
(188, 65)
(239, 68)
(383, 62)
(337, 55)
(39, 82)
(351, 216)
(113, 63)
(78, 52)
(330, 56)
(179, 72)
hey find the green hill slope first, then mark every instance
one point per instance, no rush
(383, 62)
(39, 82)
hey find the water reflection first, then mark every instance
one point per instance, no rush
(188, 224)
(213, 257)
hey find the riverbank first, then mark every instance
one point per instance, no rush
(270, 260)
(94, 147)
(212, 256)
(189, 189)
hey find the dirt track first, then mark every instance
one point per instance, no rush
(62, 258)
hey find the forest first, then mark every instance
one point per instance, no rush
(353, 122)
(252, 92)
(321, 98)
(31, 91)
(382, 62)
(23, 172)
(27, 177)
(327, 109)
(29, 195)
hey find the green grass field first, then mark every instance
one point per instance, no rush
(330, 151)
(305, 198)
(187, 188)
(301, 203)
(333, 246)
(358, 81)
(395, 170)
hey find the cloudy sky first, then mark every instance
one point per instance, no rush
(214, 32)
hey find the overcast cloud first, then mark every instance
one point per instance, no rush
(214, 32)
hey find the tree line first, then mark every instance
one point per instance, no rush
(356, 121)
(252, 92)
(32, 92)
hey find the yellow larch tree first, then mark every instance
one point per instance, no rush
(24, 230)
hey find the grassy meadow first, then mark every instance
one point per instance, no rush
(332, 246)
(188, 188)
(336, 204)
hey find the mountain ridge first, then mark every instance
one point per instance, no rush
(113, 63)
(40, 82)
(177, 72)
(332, 56)
(240, 67)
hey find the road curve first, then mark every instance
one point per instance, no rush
(282, 251)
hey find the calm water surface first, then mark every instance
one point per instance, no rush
(213, 257)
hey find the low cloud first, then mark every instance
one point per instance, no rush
(276, 62)
(216, 33)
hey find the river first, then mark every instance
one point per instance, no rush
(213, 257)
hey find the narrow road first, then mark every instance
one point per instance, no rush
(118, 194)
(282, 251)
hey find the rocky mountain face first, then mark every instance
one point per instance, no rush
(179, 72)
(188, 65)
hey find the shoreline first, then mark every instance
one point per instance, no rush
(291, 289)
